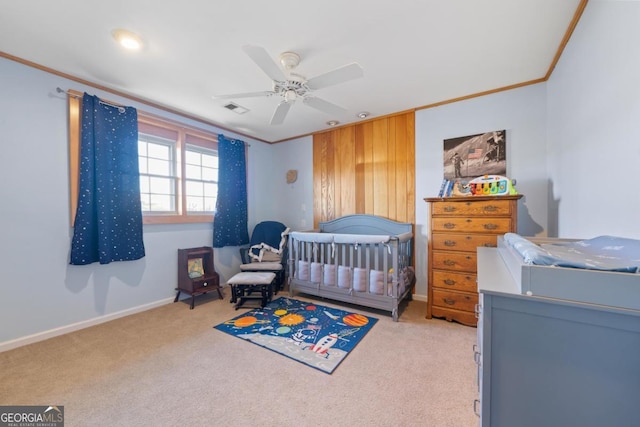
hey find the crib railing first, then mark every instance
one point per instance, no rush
(326, 259)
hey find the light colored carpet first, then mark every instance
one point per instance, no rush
(169, 367)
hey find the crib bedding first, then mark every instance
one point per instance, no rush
(357, 278)
(605, 253)
(341, 262)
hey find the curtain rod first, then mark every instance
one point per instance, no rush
(120, 108)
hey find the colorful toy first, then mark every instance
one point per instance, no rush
(492, 185)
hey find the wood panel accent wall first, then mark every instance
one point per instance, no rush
(368, 168)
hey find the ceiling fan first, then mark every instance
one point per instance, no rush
(292, 86)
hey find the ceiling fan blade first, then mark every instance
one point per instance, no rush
(264, 61)
(324, 106)
(281, 112)
(340, 75)
(245, 95)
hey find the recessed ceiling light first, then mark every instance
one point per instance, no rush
(333, 123)
(363, 115)
(127, 39)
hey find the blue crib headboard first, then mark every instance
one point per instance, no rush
(365, 224)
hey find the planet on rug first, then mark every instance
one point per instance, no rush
(315, 335)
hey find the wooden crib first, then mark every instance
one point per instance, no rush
(358, 259)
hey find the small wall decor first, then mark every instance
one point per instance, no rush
(292, 176)
(471, 156)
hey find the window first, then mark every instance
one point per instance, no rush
(178, 168)
(201, 178)
(178, 172)
(157, 163)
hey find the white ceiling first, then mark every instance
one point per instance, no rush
(414, 53)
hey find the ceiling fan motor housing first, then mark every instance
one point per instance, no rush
(290, 89)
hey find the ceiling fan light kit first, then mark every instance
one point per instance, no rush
(290, 95)
(291, 86)
(289, 60)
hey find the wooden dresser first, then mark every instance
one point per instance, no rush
(457, 226)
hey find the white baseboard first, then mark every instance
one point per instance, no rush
(41, 336)
(417, 297)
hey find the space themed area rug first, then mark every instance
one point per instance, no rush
(315, 335)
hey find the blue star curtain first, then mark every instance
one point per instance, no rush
(108, 224)
(231, 217)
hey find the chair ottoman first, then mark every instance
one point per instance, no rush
(254, 285)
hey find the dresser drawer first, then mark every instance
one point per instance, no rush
(455, 300)
(462, 242)
(456, 261)
(471, 208)
(457, 227)
(465, 317)
(454, 281)
(472, 225)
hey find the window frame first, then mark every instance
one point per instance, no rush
(206, 172)
(186, 135)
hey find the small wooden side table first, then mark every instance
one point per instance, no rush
(196, 274)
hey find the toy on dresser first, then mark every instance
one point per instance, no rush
(492, 185)
(485, 185)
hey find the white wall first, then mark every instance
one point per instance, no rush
(594, 124)
(39, 290)
(295, 200)
(572, 145)
(522, 113)
(40, 296)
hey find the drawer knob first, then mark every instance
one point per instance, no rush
(490, 208)
(490, 226)
(449, 243)
(449, 262)
(449, 225)
(449, 209)
(449, 282)
(489, 245)
(449, 301)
